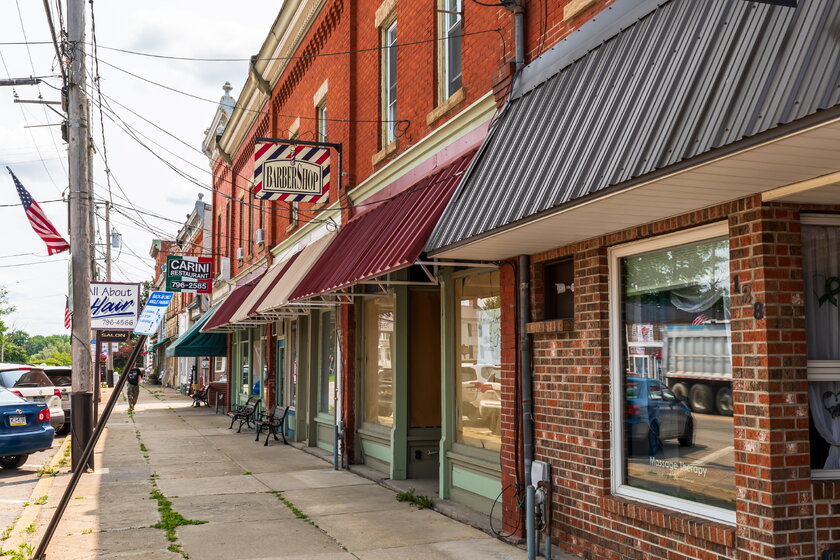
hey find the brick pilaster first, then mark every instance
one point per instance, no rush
(770, 387)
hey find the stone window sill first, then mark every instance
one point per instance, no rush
(552, 326)
(383, 153)
(453, 101)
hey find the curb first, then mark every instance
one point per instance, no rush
(30, 512)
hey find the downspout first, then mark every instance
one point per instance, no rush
(519, 34)
(527, 400)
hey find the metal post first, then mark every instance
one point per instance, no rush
(527, 400)
(40, 552)
(80, 240)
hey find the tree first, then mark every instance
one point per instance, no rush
(5, 308)
(55, 353)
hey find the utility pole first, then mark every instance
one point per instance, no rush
(81, 396)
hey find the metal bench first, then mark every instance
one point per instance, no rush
(245, 414)
(275, 417)
(200, 396)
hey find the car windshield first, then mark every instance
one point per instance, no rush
(7, 397)
(33, 379)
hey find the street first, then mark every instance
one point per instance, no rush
(173, 481)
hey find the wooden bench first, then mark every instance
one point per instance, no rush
(246, 414)
(275, 417)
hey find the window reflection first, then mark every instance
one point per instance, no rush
(678, 435)
(478, 381)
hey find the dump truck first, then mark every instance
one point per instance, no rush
(697, 365)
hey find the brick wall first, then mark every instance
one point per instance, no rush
(781, 512)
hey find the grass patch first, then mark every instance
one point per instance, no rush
(23, 552)
(418, 501)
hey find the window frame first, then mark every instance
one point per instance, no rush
(444, 53)
(389, 125)
(822, 370)
(617, 428)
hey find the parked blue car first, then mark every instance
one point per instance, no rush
(655, 414)
(24, 429)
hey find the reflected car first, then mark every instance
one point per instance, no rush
(33, 386)
(655, 415)
(481, 392)
(24, 429)
(62, 378)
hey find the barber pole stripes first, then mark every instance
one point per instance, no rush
(314, 159)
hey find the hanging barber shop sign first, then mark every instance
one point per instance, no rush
(291, 172)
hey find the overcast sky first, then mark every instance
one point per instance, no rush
(37, 284)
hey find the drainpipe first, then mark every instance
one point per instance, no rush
(519, 34)
(527, 399)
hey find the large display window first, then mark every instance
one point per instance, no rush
(478, 353)
(672, 372)
(378, 356)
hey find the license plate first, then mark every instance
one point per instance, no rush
(17, 420)
(38, 399)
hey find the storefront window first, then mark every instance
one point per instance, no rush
(821, 275)
(245, 362)
(293, 362)
(259, 370)
(676, 373)
(378, 319)
(327, 363)
(479, 348)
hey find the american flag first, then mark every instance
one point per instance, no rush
(42, 226)
(700, 320)
(67, 321)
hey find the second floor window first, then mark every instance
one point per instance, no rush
(452, 30)
(321, 120)
(389, 82)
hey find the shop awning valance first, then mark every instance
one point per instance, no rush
(195, 343)
(387, 238)
(246, 310)
(277, 293)
(164, 341)
(228, 307)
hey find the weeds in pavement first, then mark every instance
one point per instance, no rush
(420, 502)
(23, 552)
(143, 447)
(29, 528)
(46, 470)
(41, 501)
(7, 532)
(87, 531)
(299, 514)
(247, 472)
(169, 518)
(177, 548)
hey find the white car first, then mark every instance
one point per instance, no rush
(481, 391)
(34, 386)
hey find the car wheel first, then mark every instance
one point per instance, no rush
(723, 401)
(63, 430)
(687, 439)
(13, 461)
(680, 390)
(701, 399)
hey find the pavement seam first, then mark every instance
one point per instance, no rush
(30, 512)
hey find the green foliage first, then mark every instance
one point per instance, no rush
(56, 353)
(420, 502)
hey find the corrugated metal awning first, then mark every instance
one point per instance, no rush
(387, 238)
(626, 97)
(246, 310)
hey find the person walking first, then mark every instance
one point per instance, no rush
(133, 387)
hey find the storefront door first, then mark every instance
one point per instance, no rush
(423, 383)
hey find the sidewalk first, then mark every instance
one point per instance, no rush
(240, 500)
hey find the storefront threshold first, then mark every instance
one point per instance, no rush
(453, 510)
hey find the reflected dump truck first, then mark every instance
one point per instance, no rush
(697, 365)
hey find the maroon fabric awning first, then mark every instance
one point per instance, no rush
(228, 307)
(389, 237)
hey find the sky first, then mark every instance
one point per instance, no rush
(37, 284)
